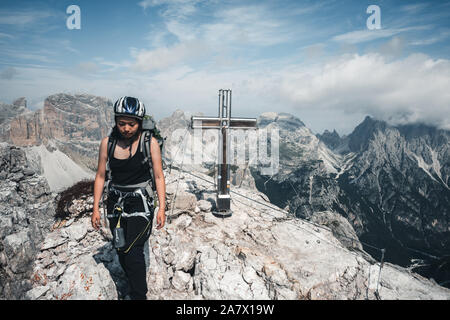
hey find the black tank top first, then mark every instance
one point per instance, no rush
(126, 172)
(131, 170)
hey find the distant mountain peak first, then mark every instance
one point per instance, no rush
(9, 111)
(284, 120)
(331, 139)
(359, 138)
(21, 102)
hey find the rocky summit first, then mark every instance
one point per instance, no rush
(313, 229)
(260, 252)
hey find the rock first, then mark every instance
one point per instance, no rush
(185, 257)
(183, 222)
(7, 226)
(18, 248)
(340, 227)
(390, 182)
(158, 276)
(204, 205)
(275, 274)
(182, 281)
(210, 218)
(76, 232)
(86, 280)
(69, 222)
(37, 292)
(54, 240)
(185, 201)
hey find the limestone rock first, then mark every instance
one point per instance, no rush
(340, 227)
(86, 280)
(184, 201)
(204, 205)
(37, 292)
(26, 213)
(77, 232)
(54, 240)
(182, 281)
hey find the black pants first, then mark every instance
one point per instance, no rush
(131, 257)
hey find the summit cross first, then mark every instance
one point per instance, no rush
(224, 123)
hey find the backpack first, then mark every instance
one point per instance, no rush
(149, 130)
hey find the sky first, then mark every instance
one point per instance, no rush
(329, 63)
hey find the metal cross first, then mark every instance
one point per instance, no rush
(224, 122)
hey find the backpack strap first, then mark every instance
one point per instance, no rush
(145, 146)
(111, 146)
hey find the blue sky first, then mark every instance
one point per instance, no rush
(317, 60)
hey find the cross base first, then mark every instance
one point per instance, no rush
(222, 214)
(223, 206)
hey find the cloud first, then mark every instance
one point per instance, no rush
(252, 25)
(167, 57)
(414, 8)
(88, 67)
(258, 50)
(336, 94)
(177, 9)
(8, 73)
(209, 41)
(314, 51)
(359, 36)
(5, 35)
(67, 45)
(113, 65)
(393, 48)
(436, 37)
(219, 39)
(22, 18)
(41, 55)
(413, 89)
(225, 25)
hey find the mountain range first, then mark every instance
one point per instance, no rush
(390, 183)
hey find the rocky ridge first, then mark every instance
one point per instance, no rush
(26, 213)
(390, 183)
(260, 252)
(9, 111)
(75, 124)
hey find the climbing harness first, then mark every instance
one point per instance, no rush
(118, 206)
(118, 212)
